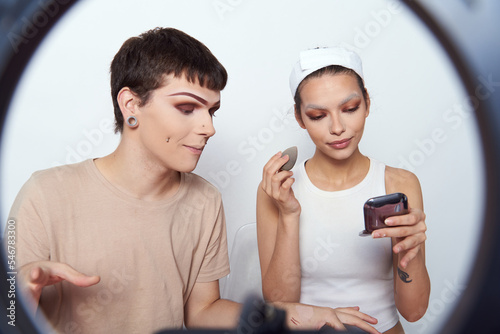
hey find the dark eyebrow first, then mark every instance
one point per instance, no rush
(196, 97)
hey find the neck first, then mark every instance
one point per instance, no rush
(334, 175)
(138, 176)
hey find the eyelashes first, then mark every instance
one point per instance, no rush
(188, 109)
(350, 110)
(314, 117)
(353, 109)
(212, 111)
(185, 108)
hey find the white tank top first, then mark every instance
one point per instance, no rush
(339, 267)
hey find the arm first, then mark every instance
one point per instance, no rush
(278, 214)
(206, 309)
(411, 280)
(35, 276)
(34, 268)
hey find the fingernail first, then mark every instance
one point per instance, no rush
(388, 221)
(375, 235)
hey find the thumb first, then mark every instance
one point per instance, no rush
(38, 276)
(68, 273)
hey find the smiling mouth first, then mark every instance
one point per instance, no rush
(195, 149)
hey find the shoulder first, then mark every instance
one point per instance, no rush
(398, 177)
(196, 183)
(403, 181)
(48, 187)
(59, 174)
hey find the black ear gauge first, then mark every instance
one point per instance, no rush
(292, 154)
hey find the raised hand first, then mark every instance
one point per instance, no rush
(278, 185)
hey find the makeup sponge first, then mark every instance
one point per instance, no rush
(292, 154)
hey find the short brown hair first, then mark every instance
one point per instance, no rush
(142, 63)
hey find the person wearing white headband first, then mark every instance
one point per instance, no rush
(309, 218)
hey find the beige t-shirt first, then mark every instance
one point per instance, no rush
(148, 254)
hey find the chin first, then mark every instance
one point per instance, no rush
(187, 168)
(339, 154)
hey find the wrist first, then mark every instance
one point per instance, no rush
(289, 220)
(290, 216)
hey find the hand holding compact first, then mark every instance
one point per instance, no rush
(409, 233)
(377, 209)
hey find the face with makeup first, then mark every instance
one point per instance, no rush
(333, 111)
(180, 112)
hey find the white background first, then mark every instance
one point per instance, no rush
(420, 118)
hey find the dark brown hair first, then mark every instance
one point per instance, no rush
(142, 63)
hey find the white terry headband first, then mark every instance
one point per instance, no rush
(315, 59)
